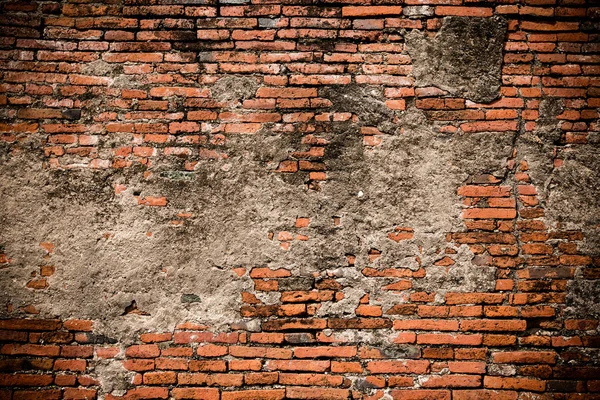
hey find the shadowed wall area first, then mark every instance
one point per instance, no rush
(300, 199)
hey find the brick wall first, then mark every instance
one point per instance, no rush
(136, 88)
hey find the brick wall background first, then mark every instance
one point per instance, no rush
(269, 199)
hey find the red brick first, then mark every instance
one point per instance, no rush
(329, 352)
(30, 324)
(109, 352)
(195, 393)
(474, 298)
(369, 311)
(153, 201)
(286, 93)
(211, 350)
(266, 337)
(420, 394)
(70, 365)
(259, 352)
(269, 273)
(445, 381)
(78, 325)
(143, 351)
(484, 191)
(297, 365)
(16, 380)
(155, 337)
(245, 365)
(310, 379)
(467, 367)
(79, 393)
(452, 339)
(493, 325)
(205, 337)
(346, 367)
(261, 378)
(398, 367)
(160, 378)
(555, 26)
(483, 395)
(148, 393)
(172, 363)
(179, 91)
(270, 394)
(427, 325)
(368, 11)
(525, 357)
(490, 213)
(30, 349)
(316, 393)
(581, 324)
(496, 382)
(138, 365)
(13, 336)
(489, 126)
(463, 11)
(208, 365)
(44, 394)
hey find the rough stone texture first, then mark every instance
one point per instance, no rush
(267, 201)
(365, 101)
(464, 58)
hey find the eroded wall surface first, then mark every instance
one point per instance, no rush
(255, 199)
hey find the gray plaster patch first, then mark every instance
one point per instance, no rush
(234, 88)
(190, 298)
(417, 11)
(464, 58)
(583, 298)
(547, 128)
(101, 68)
(268, 22)
(113, 377)
(365, 101)
(501, 370)
(579, 206)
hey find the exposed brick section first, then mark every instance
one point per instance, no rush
(174, 113)
(66, 71)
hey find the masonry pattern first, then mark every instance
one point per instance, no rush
(143, 87)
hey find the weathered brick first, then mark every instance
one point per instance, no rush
(161, 104)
